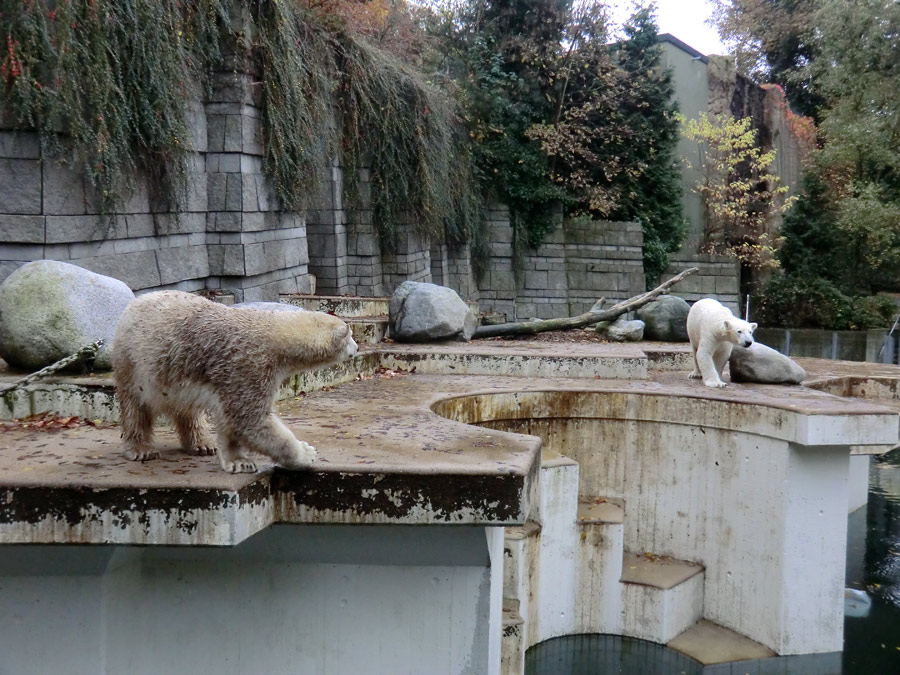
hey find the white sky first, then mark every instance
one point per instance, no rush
(686, 20)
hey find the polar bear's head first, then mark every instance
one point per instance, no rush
(739, 331)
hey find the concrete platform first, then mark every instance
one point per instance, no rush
(661, 572)
(709, 644)
(745, 480)
(601, 510)
(385, 457)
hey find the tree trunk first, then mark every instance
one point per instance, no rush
(594, 316)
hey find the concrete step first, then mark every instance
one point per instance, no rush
(519, 551)
(512, 644)
(346, 306)
(368, 330)
(600, 510)
(600, 535)
(663, 596)
(710, 643)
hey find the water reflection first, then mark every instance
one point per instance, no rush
(872, 643)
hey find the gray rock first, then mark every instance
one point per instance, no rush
(51, 309)
(422, 312)
(270, 306)
(759, 363)
(665, 319)
(622, 330)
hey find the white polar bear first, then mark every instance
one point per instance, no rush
(713, 330)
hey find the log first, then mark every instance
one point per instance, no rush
(582, 320)
(86, 352)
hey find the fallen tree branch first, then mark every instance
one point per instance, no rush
(593, 316)
(86, 352)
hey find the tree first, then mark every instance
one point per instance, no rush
(653, 194)
(500, 54)
(559, 116)
(738, 192)
(774, 41)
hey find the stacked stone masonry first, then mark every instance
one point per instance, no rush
(234, 236)
(718, 277)
(232, 233)
(579, 262)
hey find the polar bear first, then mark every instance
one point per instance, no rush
(713, 330)
(180, 355)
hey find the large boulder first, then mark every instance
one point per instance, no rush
(759, 363)
(422, 312)
(51, 309)
(665, 319)
(622, 330)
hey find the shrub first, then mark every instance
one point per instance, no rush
(814, 302)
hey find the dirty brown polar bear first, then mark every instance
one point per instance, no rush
(177, 354)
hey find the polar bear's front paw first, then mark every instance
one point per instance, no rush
(718, 384)
(304, 456)
(695, 375)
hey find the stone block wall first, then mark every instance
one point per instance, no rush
(579, 262)
(604, 259)
(232, 234)
(497, 290)
(718, 277)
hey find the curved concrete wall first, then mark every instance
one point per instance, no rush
(753, 493)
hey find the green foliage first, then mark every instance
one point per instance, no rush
(558, 116)
(499, 55)
(812, 246)
(840, 60)
(104, 83)
(869, 225)
(814, 302)
(652, 195)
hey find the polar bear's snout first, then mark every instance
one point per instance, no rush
(352, 348)
(745, 340)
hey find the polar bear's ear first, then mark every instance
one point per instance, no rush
(753, 326)
(727, 323)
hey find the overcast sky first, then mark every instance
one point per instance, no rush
(686, 20)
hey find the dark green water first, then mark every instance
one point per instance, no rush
(871, 643)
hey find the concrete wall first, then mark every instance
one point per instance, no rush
(293, 599)
(712, 85)
(701, 481)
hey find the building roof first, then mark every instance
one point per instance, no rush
(683, 46)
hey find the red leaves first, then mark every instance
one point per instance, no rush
(47, 422)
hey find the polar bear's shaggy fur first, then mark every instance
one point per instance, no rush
(713, 331)
(179, 355)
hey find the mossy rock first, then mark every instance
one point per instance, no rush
(50, 309)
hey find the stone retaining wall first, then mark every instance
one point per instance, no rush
(232, 234)
(719, 277)
(579, 262)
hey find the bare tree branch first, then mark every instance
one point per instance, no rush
(593, 316)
